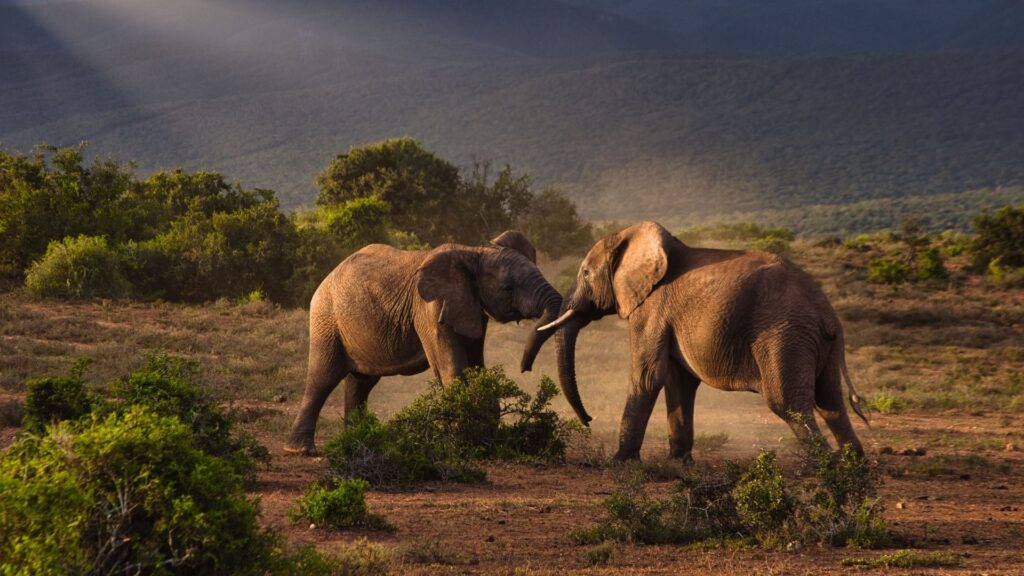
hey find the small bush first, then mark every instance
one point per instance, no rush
(886, 403)
(1000, 235)
(763, 503)
(705, 442)
(888, 270)
(603, 553)
(339, 508)
(433, 552)
(133, 495)
(442, 434)
(741, 502)
(79, 267)
(905, 559)
(930, 266)
(51, 400)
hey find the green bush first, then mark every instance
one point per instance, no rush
(999, 235)
(172, 386)
(886, 403)
(905, 559)
(80, 267)
(341, 507)
(50, 400)
(929, 265)
(751, 502)
(764, 505)
(133, 495)
(442, 434)
(888, 270)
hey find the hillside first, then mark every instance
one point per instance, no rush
(638, 109)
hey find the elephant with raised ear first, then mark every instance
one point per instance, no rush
(732, 319)
(385, 311)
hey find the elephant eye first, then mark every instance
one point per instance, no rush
(586, 273)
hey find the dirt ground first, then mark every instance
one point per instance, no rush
(962, 497)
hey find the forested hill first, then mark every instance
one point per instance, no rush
(679, 110)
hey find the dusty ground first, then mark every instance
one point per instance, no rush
(972, 508)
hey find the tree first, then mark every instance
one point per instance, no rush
(486, 209)
(554, 225)
(419, 187)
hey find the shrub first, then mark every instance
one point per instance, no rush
(764, 505)
(171, 386)
(339, 508)
(51, 400)
(886, 403)
(999, 235)
(134, 496)
(930, 266)
(483, 414)
(888, 270)
(706, 442)
(80, 267)
(837, 507)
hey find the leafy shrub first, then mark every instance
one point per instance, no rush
(51, 400)
(603, 553)
(341, 507)
(555, 226)
(171, 386)
(774, 240)
(712, 442)
(929, 265)
(702, 508)
(80, 267)
(483, 414)
(763, 503)
(1005, 276)
(999, 235)
(837, 508)
(133, 495)
(886, 403)
(888, 270)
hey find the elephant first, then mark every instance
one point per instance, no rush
(732, 319)
(384, 311)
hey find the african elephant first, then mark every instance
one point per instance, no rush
(385, 311)
(733, 319)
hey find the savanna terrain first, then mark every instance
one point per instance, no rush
(941, 362)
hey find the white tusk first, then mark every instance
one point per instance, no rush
(559, 321)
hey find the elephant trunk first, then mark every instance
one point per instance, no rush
(566, 343)
(552, 302)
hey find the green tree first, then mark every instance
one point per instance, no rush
(554, 226)
(419, 187)
(486, 208)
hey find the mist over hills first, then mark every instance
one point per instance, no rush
(646, 108)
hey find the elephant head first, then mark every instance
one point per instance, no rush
(617, 275)
(500, 280)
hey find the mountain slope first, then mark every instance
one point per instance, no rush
(590, 97)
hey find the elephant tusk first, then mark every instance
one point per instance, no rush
(440, 316)
(558, 321)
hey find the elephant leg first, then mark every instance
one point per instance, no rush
(475, 352)
(828, 395)
(647, 378)
(447, 355)
(357, 391)
(327, 366)
(680, 393)
(788, 388)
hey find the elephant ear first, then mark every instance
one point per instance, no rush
(446, 275)
(517, 241)
(641, 264)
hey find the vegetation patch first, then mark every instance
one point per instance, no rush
(905, 559)
(446, 432)
(339, 508)
(753, 501)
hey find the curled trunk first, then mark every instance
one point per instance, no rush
(552, 304)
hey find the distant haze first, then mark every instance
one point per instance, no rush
(648, 108)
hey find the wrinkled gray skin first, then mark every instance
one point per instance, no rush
(385, 311)
(732, 319)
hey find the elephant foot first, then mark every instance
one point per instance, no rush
(300, 445)
(681, 457)
(624, 455)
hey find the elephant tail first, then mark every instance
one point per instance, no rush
(856, 401)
